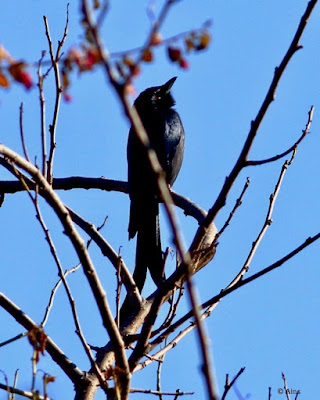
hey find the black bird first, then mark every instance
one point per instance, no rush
(166, 134)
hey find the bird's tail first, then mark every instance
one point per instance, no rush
(148, 254)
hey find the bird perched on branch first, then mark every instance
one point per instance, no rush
(166, 134)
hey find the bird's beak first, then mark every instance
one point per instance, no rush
(168, 85)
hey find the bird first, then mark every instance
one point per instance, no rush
(166, 134)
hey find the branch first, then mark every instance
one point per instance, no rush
(69, 368)
(109, 252)
(42, 116)
(266, 224)
(68, 291)
(55, 64)
(293, 147)
(255, 124)
(24, 393)
(228, 385)
(156, 392)
(24, 147)
(54, 201)
(236, 206)
(81, 182)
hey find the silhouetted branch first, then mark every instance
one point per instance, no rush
(69, 368)
(55, 64)
(293, 147)
(23, 142)
(81, 182)
(266, 224)
(24, 393)
(242, 161)
(42, 117)
(53, 200)
(109, 252)
(157, 392)
(236, 206)
(228, 385)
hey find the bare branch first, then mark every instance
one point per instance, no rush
(68, 291)
(80, 182)
(69, 368)
(156, 392)
(24, 147)
(55, 64)
(228, 385)
(266, 224)
(24, 393)
(107, 251)
(42, 116)
(285, 386)
(255, 124)
(293, 147)
(53, 200)
(236, 206)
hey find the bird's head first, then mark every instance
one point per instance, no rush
(156, 97)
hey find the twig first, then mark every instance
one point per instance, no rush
(293, 147)
(255, 124)
(266, 224)
(236, 206)
(285, 386)
(42, 116)
(15, 382)
(24, 393)
(24, 147)
(66, 273)
(53, 292)
(17, 337)
(107, 251)
(160, 363)
(55, 64)
(157, 393)
(70, 369)
(228, 385)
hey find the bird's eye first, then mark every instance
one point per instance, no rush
(156, 97)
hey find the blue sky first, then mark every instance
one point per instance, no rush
(269, 326)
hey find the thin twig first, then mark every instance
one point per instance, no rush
(293, 147)
(266, 224)
(236, 206)
(55, 64)
(157, 393)
(285, 386)
(107, 251)
(57, 285)
(24, 393)
(53, 293)
(42, 116)
(228, 385)
(24, 147)
(13, 339)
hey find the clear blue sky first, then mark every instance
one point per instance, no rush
(271, 325)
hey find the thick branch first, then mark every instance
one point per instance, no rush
(53, 200)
